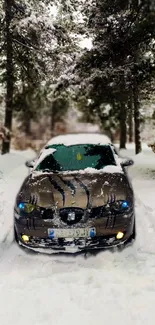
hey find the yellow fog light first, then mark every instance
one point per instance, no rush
(25, 238)
(119, 235)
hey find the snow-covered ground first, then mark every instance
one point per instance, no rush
(111, 288)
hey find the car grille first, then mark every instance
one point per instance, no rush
(71, 216)
(48, 214)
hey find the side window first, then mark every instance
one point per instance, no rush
(117, 156)
(115, 151)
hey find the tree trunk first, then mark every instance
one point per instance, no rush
(111, 136)
(123, 129)
(135, 4)
(138, 147)
(130, 119)
(52, 120)
(9, 77)
(27, 126)
(107, 131)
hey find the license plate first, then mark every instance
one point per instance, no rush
(71, 233)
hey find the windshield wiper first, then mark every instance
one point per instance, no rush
(49, 171)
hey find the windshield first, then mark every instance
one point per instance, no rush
(77, 157)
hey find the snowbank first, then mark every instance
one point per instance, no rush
(145, 159)
(13, 160)
(12, 174)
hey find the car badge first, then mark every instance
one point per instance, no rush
(71, 216)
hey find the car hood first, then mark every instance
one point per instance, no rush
(74, 190)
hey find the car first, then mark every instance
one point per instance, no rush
(76, 197)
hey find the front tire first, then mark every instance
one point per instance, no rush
(134, 230)
(16, 236)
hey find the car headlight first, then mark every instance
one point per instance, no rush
(26, 207)
(119, 206)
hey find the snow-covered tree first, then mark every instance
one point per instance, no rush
(39, 44)
(116, 70)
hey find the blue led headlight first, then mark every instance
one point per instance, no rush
(26, 207)
(119, 206)
(124, 205)
(21, 206)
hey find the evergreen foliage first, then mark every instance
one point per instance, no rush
(118, 70)
(43, 68)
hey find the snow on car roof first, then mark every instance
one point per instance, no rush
(81, 138)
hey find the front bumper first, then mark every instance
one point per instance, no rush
(73, 246)
(106, 231)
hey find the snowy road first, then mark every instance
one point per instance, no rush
(111, 288)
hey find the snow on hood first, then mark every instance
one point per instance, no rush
(89, 170)
(107, 169)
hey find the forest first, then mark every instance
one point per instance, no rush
(97, 56)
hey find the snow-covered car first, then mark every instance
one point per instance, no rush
(77, 197)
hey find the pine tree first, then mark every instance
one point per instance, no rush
(111, 72)
(38, 47)
(9, 75)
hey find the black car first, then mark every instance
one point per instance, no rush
(76, 197)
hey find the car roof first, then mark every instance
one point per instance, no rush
(80, 138)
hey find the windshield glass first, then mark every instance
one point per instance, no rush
(77, 157)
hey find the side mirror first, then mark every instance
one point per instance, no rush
(29, 164)
(127, 162)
